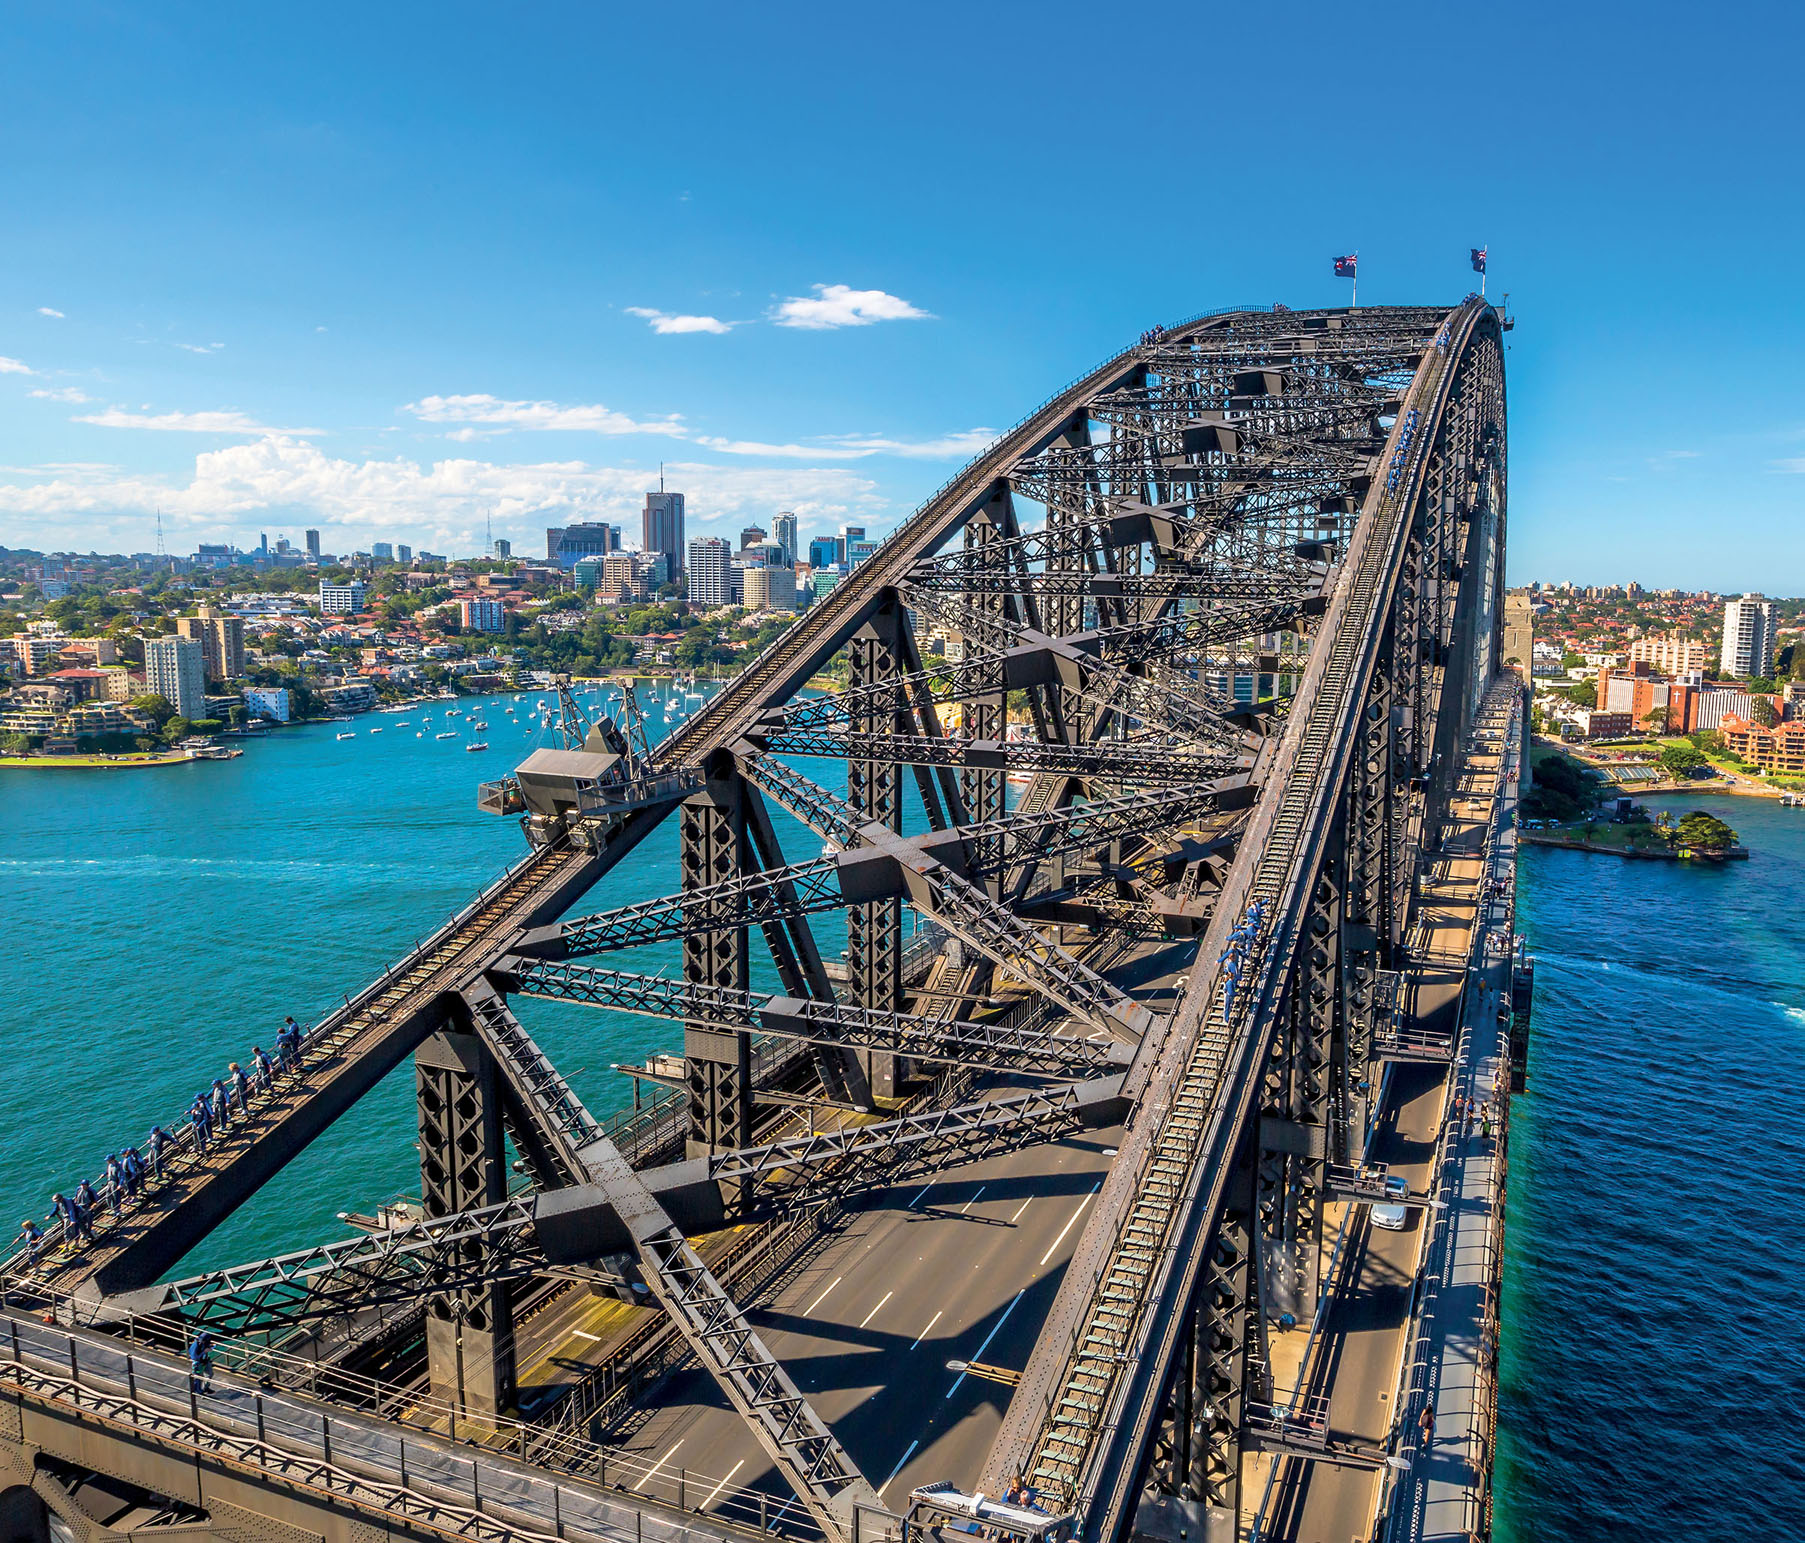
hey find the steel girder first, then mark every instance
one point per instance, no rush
(470, 1329)
(548, 1232)
(1082, 1424)
(874, 787)
(989, 1046)
(970, 912)
(713, 853)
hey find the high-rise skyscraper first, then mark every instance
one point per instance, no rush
(783, 532)
(1748, 636)
(752, 535)
(710, 573)
(403, 552)
(175, 670)
(313, 545)
(664, 529)
(221, 640)
(501, 547)
(382, 551)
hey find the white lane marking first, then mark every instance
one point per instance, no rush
(830, 1286)
(898, 1468)
(1018, 1211)
(1072, 1223)
(723, 1484)
(974, 1199)
(874, 1311)
(645, 1484)
(927, 1331)
(594, 1339)
(924, 1189)
(978, 1354)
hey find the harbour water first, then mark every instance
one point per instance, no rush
(1653, 1348)
(166, 919)
(163, 920)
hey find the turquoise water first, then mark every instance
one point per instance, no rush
(1655, 1278)
(163, 920)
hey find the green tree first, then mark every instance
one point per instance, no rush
(1705, 832)
(1680, 761)
(157, 706)
(1583, 693)
(1761, 711)
(1655, 720)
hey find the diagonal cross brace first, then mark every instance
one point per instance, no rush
(964, 909)
(795, 1438)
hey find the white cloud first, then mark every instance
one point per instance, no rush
(856, 447)
(665, 323)
(201, 348)
(186, 423)
(62, 394)
(45, 310)
(14, 367)
(443, 503)
(482, 408)
(838, 305)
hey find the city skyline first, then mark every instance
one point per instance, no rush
(405, 309)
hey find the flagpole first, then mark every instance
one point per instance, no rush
(1356, 305)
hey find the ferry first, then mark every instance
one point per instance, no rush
(447, 735)
(477, 744)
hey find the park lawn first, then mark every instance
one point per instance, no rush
(1606, 834)
(130, 758)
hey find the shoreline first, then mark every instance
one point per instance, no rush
(1543, 838)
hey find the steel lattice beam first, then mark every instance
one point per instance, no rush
(997, 1046)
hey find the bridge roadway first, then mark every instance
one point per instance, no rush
(911, 1277)
(1371, 1317)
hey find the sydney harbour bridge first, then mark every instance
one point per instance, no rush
(1028, 1200)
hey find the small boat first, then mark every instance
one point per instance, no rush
(446, 735)
(376, 728)
(477, 744)
(347, 736)
(477, 723)
(404, 724)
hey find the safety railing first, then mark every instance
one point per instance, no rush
(480, 1466)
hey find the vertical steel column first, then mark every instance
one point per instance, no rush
(874, 928)
(982, 790)
(1227, 1311)
(717, 1067)
(469, 1333)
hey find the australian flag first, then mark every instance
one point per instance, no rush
(1478, 253)
(1344, 266)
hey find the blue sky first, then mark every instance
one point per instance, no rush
(391, 269)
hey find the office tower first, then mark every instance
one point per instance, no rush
(710, 575)
(664, 529)
(313, 545)
(501, 547)
(382, 551)
(823, 552)
(1748, 636)
(221, 640)
(175, 669)
(341, 599)
(770, 589)
(589, 538)
(752, 535)
(783, 532)
(403, 554)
